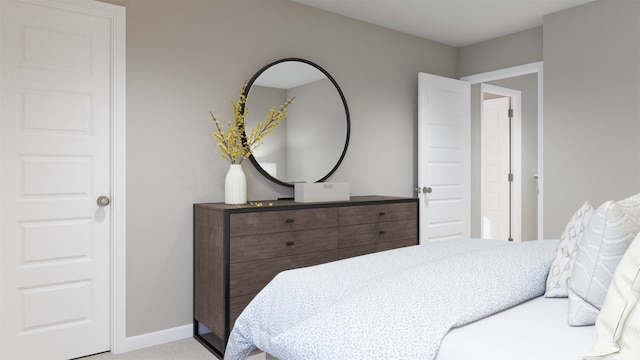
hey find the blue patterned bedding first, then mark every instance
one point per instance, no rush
(398, 304)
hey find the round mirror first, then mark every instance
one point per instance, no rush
(309, 145)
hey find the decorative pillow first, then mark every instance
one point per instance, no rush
(618, 325)
(562, 264)
(609, 233)
(634, 198)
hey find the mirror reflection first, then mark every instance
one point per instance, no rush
(310, 143)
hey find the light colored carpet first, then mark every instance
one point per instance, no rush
(186, 349)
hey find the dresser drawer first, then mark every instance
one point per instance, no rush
(251, 276)
(265, 246)
(279, 221)
(350, 215)
(372, 248)
(236, 305)
(377, 232)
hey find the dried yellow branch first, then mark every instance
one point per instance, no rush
(234, 142)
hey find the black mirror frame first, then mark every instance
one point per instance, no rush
(346, 110)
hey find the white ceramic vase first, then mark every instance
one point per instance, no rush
(235, 186)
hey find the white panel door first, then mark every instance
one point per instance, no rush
(495, 187)
(55, 162)
(444, 170)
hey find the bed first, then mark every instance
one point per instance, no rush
(536, 329)
(462, 299)
(318, 312)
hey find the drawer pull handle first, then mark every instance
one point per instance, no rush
(289, 221)
(382, 213)
(381, 232)
(289, 243)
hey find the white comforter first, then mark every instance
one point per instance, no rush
(397, 304)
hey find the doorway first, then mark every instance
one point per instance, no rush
(500, 145)
(528, 79)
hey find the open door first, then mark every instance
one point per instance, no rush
(444, 159)
(500, 163)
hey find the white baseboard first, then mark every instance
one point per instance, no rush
(156, 338)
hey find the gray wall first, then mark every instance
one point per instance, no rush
(187, 57)
(516, 49)
(591, 107)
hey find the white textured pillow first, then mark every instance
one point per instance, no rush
(611, 229)
(618, 325)
(634, 198)
(562, 264)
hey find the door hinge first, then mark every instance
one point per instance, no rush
(510, 113)
(510, 177)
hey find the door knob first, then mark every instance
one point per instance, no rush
(103, 201)
(427, 190)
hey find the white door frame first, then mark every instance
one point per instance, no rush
(119, 184)
(516, 153)
(531, 68)
(117, 15)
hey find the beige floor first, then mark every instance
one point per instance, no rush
(186, 349)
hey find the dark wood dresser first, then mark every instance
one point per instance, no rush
(239, 249)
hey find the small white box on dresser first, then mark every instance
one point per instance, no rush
(319, 192)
